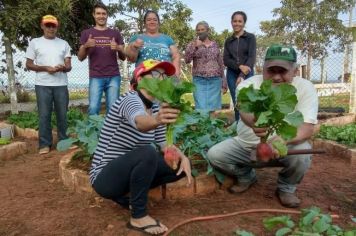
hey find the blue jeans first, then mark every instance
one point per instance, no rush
(109, 85)
(231, 77)
(207, 94)
(47, 97)
(230, 155)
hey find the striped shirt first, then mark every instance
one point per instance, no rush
(119, 134)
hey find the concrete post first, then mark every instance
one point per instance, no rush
(353, 73)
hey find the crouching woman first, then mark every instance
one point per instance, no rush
(126, 164)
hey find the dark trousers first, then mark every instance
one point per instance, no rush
(47, 98)
(231, 77)
(135, 172)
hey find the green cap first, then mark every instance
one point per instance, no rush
(280, 55)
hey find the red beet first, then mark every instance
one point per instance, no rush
(171, 157)
(264, 152)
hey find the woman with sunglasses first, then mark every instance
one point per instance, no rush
(152, 44)
(208, 69)
(126, 164)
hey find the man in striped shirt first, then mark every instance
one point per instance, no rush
(125, 161)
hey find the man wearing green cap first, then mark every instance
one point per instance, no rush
(232, 154)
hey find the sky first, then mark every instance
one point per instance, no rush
(218, 14)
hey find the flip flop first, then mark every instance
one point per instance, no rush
(143, 228)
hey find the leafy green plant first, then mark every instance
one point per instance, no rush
(4, 141)
(311, 223)
(24, 120)
(169, 90)
(273, 107)
(345, 134)
(31, 119)
(85, 134)
(198, 133)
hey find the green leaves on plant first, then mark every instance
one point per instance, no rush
(169, 90)
(312, 223)
(273, 107)
(86, 135)
(198, 133)
(345, 134)
(280, 147)
(31, 119)
(271, 223)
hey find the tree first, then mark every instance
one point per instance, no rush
(262, 43)
(135, 9)
(310, 25)
(176, 24)
(20, 19)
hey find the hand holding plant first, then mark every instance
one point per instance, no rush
(274, 110)
(169, 91)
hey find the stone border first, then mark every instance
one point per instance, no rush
(12, 150)
(335, 149)
(78, 181)
(32, 133)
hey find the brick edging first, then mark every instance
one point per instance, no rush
(78, 181)
(12, 150)
(335, 149)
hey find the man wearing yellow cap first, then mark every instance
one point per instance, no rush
(50, 58)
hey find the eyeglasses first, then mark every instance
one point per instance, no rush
(156, 74)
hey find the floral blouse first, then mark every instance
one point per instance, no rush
(207, 61)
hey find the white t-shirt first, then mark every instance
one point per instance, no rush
(49, 52)
(307, 105)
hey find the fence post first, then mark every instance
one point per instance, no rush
(353, 73)
(11, 75)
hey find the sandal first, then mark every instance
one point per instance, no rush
(144, 228)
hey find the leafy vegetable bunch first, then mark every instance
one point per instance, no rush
(273, 108)
(169, 90)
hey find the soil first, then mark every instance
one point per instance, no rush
(35, 202)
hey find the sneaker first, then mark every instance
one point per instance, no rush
(241, 187)
(44, 150)
(289, 200)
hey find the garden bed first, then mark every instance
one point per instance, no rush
(77, 180)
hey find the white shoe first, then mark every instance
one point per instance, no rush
(44, 150)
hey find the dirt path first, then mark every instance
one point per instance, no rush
(34, 201)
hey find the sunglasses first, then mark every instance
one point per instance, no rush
(50, 26)
(156, 74)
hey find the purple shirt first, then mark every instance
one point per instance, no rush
(102, 60)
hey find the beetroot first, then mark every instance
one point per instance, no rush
(264, 152)
(171, 157)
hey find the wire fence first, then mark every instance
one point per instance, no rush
(331, 77)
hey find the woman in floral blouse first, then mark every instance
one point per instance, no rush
(208, 69)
